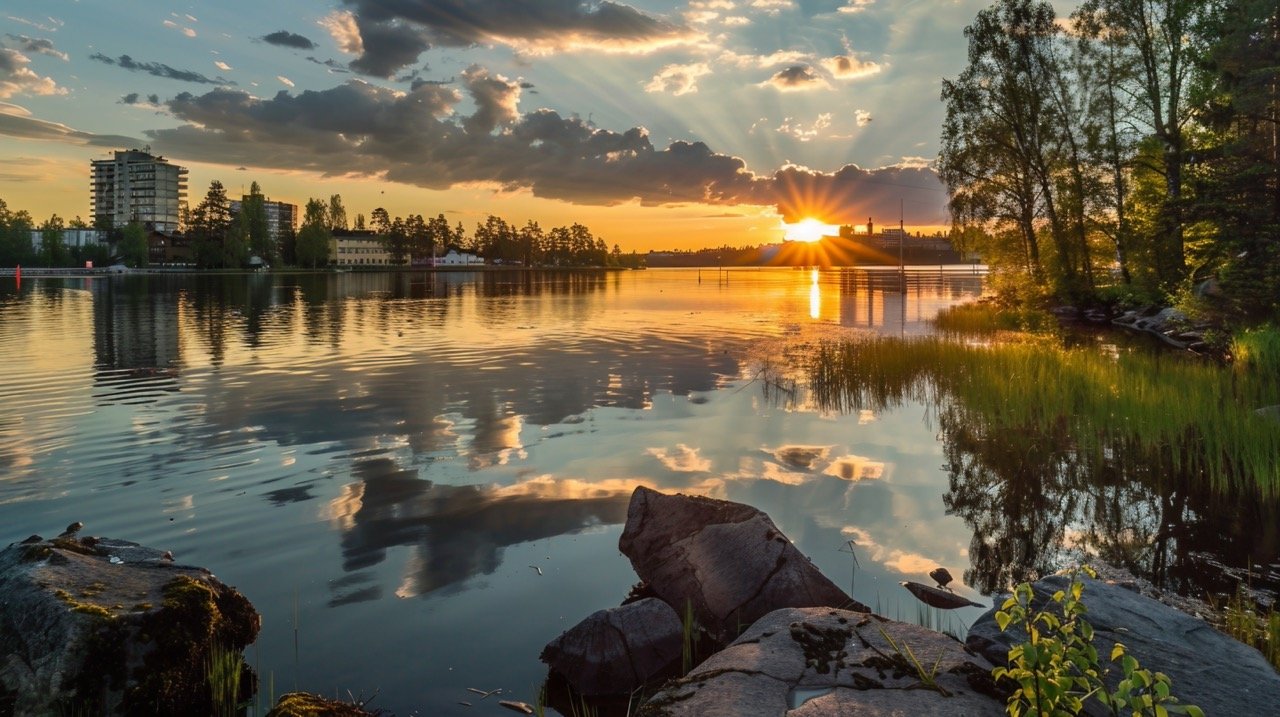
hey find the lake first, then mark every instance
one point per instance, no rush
(419, 479)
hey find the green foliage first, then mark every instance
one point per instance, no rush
(690, 636)
(1257, 350)
(312, 247)
(133, 245)
(1056, 669)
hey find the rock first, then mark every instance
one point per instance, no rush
(303, 704)
(100, 626)
(817, 662)
(1207, 668)
(728, 560)
(615, 651)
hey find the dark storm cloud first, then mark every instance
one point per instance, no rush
(129, 99)
(158, 69)
(35, 45)
(418, 138)
(396, 31)
(284, 38)
(388, 46)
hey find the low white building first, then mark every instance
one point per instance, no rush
(71, 238)
(455, 258)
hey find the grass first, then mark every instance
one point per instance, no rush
(928, 678)
(1250, 623)
(1257, 350)
(222, 669)
(985, 317)
(690, 635)
(1153, 415)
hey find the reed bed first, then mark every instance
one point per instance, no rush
(986, 317)
(1155, 415)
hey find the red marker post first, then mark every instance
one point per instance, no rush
(17, 273)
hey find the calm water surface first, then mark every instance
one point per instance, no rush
(382, 463)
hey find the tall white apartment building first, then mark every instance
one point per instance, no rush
(136, 185)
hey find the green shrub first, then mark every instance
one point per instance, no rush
(1057, 669)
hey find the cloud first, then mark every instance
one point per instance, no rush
(39, 46)
(222, 65)
(342, 28)
(856, 6)
(284, 38)
(403, 30)
(285, 80)
(497, 100)
(420, 138)
(16, 78)
(797, 78)
(53, 25)
(137, 100)
(388, 47)
(16, 122)
(773, 7)
(175, 26)
(678, 79)
(805, 133)
(333, 65)
(844, 67)
(158, 69)
(781, 57)
(862, 117)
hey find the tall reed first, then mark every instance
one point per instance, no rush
(1167, 415)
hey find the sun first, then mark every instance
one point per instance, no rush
(809, 230)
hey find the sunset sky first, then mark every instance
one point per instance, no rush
(658, 124)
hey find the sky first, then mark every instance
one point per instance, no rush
(660, 124)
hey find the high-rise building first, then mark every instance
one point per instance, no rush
(136, 185)
(281, 216)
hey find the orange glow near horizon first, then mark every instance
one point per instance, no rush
(809, 230)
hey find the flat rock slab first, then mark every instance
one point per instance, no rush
(818, 662)
(614, 651)
(727, 560)
(98, 626)
(1207, 668)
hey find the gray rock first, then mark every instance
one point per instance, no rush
(817, 662)
(100, 626)
(1207, 668)
(728, 560)
(615, 651)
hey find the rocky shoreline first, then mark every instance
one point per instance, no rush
(730, 619)
(809, 650)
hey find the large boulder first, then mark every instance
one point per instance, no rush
(1206, 668)
(727, 560)
(102, 626)
(818, 662)
(305, 704)
(615, 651)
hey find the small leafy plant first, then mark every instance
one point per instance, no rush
(1057, 669)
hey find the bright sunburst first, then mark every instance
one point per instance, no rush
(809, 230)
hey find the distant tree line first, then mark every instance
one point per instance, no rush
(414, 239)
(1132, 150)
(17, 248)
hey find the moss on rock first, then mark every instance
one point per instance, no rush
(303, 704)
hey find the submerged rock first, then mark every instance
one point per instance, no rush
(99, 626)
(817, 662)
(727, 560)
(615, 651)
(1207, 668)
